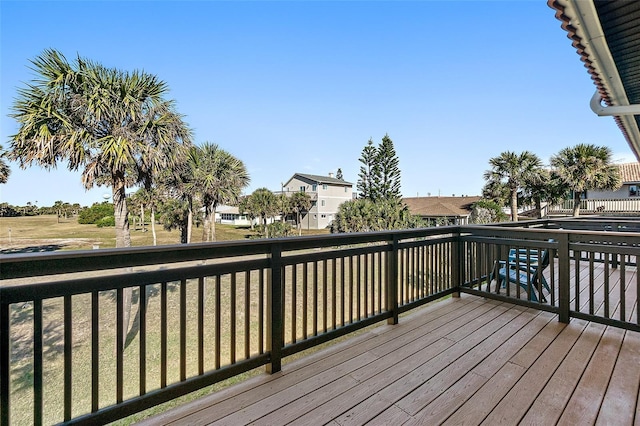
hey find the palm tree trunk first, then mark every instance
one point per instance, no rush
(266, 231)
(514, 205)
(208, 233)
(123, 239)
(153, 225)
(213, 225)
(205, 227)
(189, 225)
(298, 224)
(576, 203)
(121, 213)
(539, 207)
(142, 216)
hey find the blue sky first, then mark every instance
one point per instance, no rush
(302, 86)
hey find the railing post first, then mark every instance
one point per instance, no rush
(392, 282)
(5, 377)
(458, 264)
(563, 278)
(275, 329)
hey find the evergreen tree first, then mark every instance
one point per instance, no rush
(366, 177)
(339, 175)
(387, 182)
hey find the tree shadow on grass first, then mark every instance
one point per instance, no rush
(152, 291)
(23, 344)
(33, 249)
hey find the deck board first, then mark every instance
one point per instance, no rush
(464, 360)
(622, 394)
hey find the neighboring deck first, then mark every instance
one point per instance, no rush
(464, 360)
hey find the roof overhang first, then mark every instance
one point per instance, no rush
(606, 35)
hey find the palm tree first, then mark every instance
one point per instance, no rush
(262, 203)
(300, 202)
(113, 125)
(283, 204)
(218, 177)
(512, 169)
(586, 167)
(543, 186)
(175, 198)
(5, 171)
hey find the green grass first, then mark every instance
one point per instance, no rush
(28, 233)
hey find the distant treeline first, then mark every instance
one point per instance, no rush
(60, 208)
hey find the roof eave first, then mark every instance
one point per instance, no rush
(582, 23)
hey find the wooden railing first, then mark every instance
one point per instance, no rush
(592, 205)
(202, 313)
(591, 274)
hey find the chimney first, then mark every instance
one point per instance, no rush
(330, 174)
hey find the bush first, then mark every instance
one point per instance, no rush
(106, 221)
(364, 215)
(486, 211)
(95, 213)
(275, 230)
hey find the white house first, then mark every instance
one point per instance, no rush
(630, 174)
(230, 215)
(326, 192)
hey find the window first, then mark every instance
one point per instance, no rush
(324, 187)
(322, 203)
(346, 189)
(302, 188)
(633, 191)
(314, 187)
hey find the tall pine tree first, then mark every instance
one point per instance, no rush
(388, 172)
(366, 177)
(379, 177)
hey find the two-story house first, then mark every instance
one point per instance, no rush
(326, 192)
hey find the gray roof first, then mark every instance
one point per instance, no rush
(322, 179)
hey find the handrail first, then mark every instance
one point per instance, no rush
(251, 303)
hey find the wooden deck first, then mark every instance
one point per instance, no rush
(464, 360)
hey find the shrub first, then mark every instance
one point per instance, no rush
(487, 211)
(106, 221)
(96, 212)
(275, 230)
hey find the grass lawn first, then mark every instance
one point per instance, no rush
(48, 233)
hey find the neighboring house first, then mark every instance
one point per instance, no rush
(230, 215)
(630, 174)
(623, 201)
(326, 192)
(442, 210)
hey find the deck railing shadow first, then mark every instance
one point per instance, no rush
(207, 312)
